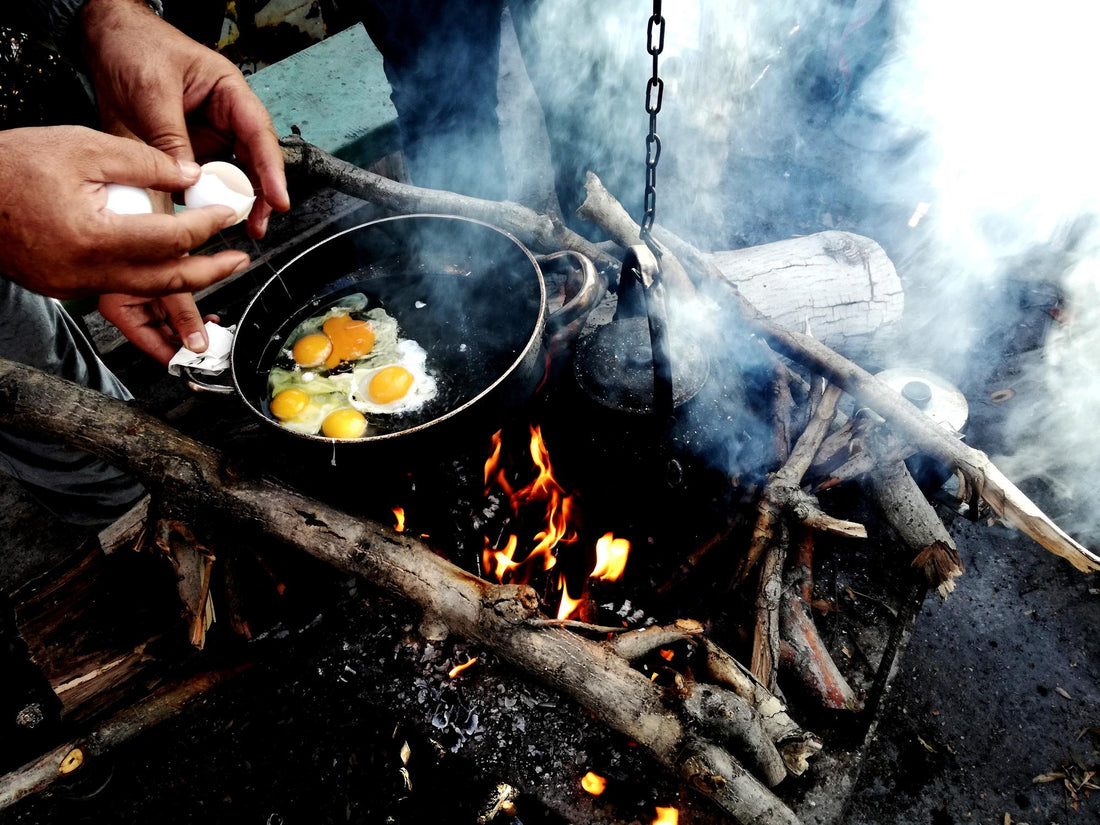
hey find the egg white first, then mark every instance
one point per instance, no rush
(407, 354)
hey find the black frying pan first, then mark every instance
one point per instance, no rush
(470, 294)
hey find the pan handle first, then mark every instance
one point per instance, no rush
(198, 385)
(565, 324)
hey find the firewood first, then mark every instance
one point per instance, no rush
(796, 745)
(194, 566)
(72, 755)
(913, 518)
(806, 657)
(541, 233)
(193, 477)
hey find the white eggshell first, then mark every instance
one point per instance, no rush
(128, 200)
(222, 184)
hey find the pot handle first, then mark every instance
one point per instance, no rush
(565, 324)
(198, 385)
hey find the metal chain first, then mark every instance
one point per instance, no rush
(654, 93)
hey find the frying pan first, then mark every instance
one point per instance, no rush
(467, 292)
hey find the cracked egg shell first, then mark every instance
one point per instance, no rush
(221, 184)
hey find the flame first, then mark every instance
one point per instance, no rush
(399, 514)
(568, 605)
(457, 669)
(543, 489)
(593, 783)
(667, 654)
(667, 816)
(559, 506)
(499, 562)
(611, 555)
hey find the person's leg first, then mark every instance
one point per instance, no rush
(441, 58)
(79, 488)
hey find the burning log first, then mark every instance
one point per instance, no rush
(195, 479)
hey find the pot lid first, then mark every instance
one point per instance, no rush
(933, 395)
(614, 366)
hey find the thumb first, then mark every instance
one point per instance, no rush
(132, 162)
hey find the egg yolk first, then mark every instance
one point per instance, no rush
(288, 404)
(312, 350)
(350, 339)
(344, 424)
(389, 384)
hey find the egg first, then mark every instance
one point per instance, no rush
(351, 339)
(312, 350)
(312, 417)
(289, 403)
(344, 423)
(222, 184)
(128, 200)
(401, 386)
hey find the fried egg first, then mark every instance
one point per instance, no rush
(312, 391)
(400, 385)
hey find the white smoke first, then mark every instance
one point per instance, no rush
(961, 136)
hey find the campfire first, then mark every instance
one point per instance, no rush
(690, 631)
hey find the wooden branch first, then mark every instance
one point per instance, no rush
(809, 659)
(925, 435)
(783, 494)
(40, 774)
(796, 745)
(640, 643)
(195, 479)
(765, 645)
(541, 233)
(914, 519)
(604, 209)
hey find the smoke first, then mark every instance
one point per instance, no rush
(959, 136)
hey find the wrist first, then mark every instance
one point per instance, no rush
(99, 17)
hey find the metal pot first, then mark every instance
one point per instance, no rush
(470, 294)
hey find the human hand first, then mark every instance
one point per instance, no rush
(181, 97)
(158, 326)
(58, 238)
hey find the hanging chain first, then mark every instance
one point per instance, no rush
(654, 93)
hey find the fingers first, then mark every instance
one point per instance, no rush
(187, 274)
(157, 236)
(184, 317)
(131, 162)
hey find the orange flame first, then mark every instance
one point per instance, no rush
(667, 816)
(399, 514)
(568, 605)
(544, 488)
(499, 562)
(457, 669)
(667, 654)
(611, 555)
(593, 783)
